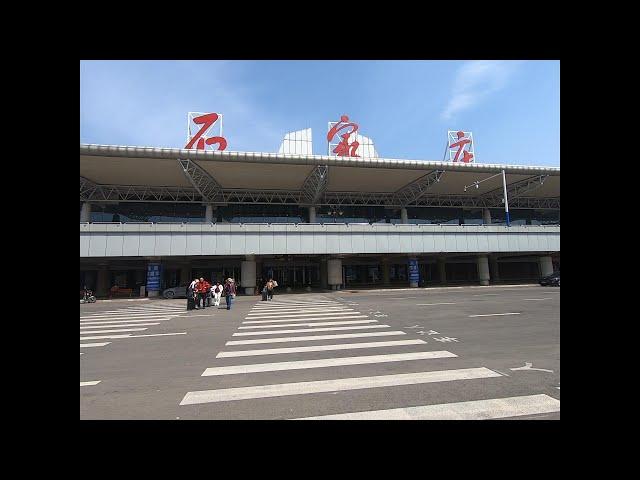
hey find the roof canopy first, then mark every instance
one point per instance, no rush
(107, 172)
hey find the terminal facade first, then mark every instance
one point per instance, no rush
(310, 221)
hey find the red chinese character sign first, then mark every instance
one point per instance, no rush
(461, 146)
(343, 148)
(200, 130)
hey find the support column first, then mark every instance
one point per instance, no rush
(208, 214)
(483, 269)
(334, 273)
(493, 268)
(185, 275)
(385, 271)
(248, 274)
(404, 217)
(486, 216)
(324, 278)
(442, 270)
(546, 266)
(102, 282)
(85, 213)
(312, 214)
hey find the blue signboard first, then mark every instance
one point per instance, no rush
(414, 271)
(154, 276)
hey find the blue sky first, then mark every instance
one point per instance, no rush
(405, 107)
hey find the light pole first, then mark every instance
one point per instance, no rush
(506, 201)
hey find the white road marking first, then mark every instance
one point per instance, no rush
(296, 315)
(102, 337)
(85, 384)
(528, 366)
(126, 325)
(350, 317)
(311, 338)
(537, 298)
(495, 314)
(125, 317)
(473, 410)
(443, 303)
(299, 310)
(115, 331)
(317, 324)
(485, 294)
(304, 330)
(325, 362)
(81, 353)
(116, 323)
(341, 384)
(157, 335)
(319, 348)
(86, 345)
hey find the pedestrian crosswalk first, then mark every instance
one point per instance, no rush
(126, 322)
(288, 321)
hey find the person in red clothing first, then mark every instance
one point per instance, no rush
(202, 287)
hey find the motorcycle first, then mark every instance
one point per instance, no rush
(88, 297)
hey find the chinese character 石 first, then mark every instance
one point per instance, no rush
(342, 149)
(207, 121)
(466, 156)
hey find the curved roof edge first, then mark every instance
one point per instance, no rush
(294, 159)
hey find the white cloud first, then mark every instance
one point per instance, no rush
(475, 80)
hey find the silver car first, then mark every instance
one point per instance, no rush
(175, 292)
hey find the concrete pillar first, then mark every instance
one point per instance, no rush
(493, 268)
(546, 266)
(248, 274)
(102, 282)
(442, 270)
(185, 275)
(483, 269)
(404, 217)
(208, 214)
(324, 278)
(334, 273)
(312, 214)
(385, 271)
(85, 213)
(486, 216)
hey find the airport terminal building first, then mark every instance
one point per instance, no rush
(155, 218)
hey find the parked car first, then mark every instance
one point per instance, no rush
(175, 292)
(552, 280)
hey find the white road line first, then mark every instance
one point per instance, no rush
(494, 314)
(444, 303)
(473, 410)
(115, 331)
(118, 322)
(341, 384)
(302, 315)
(318, 324)
(485, 294)
(325, 362)
(81, 353)
(124, 317)
(311, 338)
(299, 310)
(537, 298)
(304, 330)
(102, 337)
(306, 319)
(318, 348)
(132, 325)
(86, 345)
(287, 309)
(157, 335)
(271, 306)
(85, 384)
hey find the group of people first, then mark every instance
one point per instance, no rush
(267, 290)
(200, 293)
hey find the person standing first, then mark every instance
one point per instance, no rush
(191, 304)
(270, 290)
(217, 293)
(202, 293)
(230, 292)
